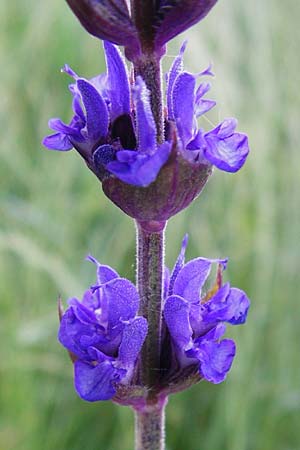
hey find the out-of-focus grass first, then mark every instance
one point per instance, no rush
(52, 213)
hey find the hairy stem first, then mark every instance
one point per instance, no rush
(149, 68)
(150, 428)
(150, 270)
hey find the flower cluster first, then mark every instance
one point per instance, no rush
(113, 129)
(104, 334)
(195, 320)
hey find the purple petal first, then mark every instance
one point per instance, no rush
(176, 315)
(134, 335)
(103, 155)
(203, 106)
(96, 110)
(94, 383)
(191, 278)
(226, 153)
(117, 80)
(78, 109)
(84, 314)
(198, 143)
(97, 356)
(68, 70)
(104, 273)
(239, 306)
(139, 169)
(183, 105)
(61, 127)
(225, 128)
(72, 330)
(216, 309)
(216, 359)
(91, 300)
(145, 121)
(207, 72)
(202, 89)
(179, 263)
(57, 141)
(176, 69)
(123, 300)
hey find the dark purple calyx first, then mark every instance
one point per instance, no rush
(178, 183)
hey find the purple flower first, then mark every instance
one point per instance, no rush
(195, 320)
(110, 137)
(221, 147)
(104, 335)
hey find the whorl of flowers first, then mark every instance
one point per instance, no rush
(104, 333)
(114, 131)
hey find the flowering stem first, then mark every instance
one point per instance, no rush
(149, 68)
(148, 64)
(150, 428)
(150, 269)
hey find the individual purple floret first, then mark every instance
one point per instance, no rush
(110, 137)
(104, 335)
(195, 320)
(221, 147)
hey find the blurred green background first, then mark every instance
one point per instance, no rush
(52, 213)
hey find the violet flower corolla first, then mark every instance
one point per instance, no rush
(104, 335)
(221, 147)
(195, 320)
(113, 129)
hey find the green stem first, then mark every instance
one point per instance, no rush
(150, 428)
(150, 272)
(149, 68)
